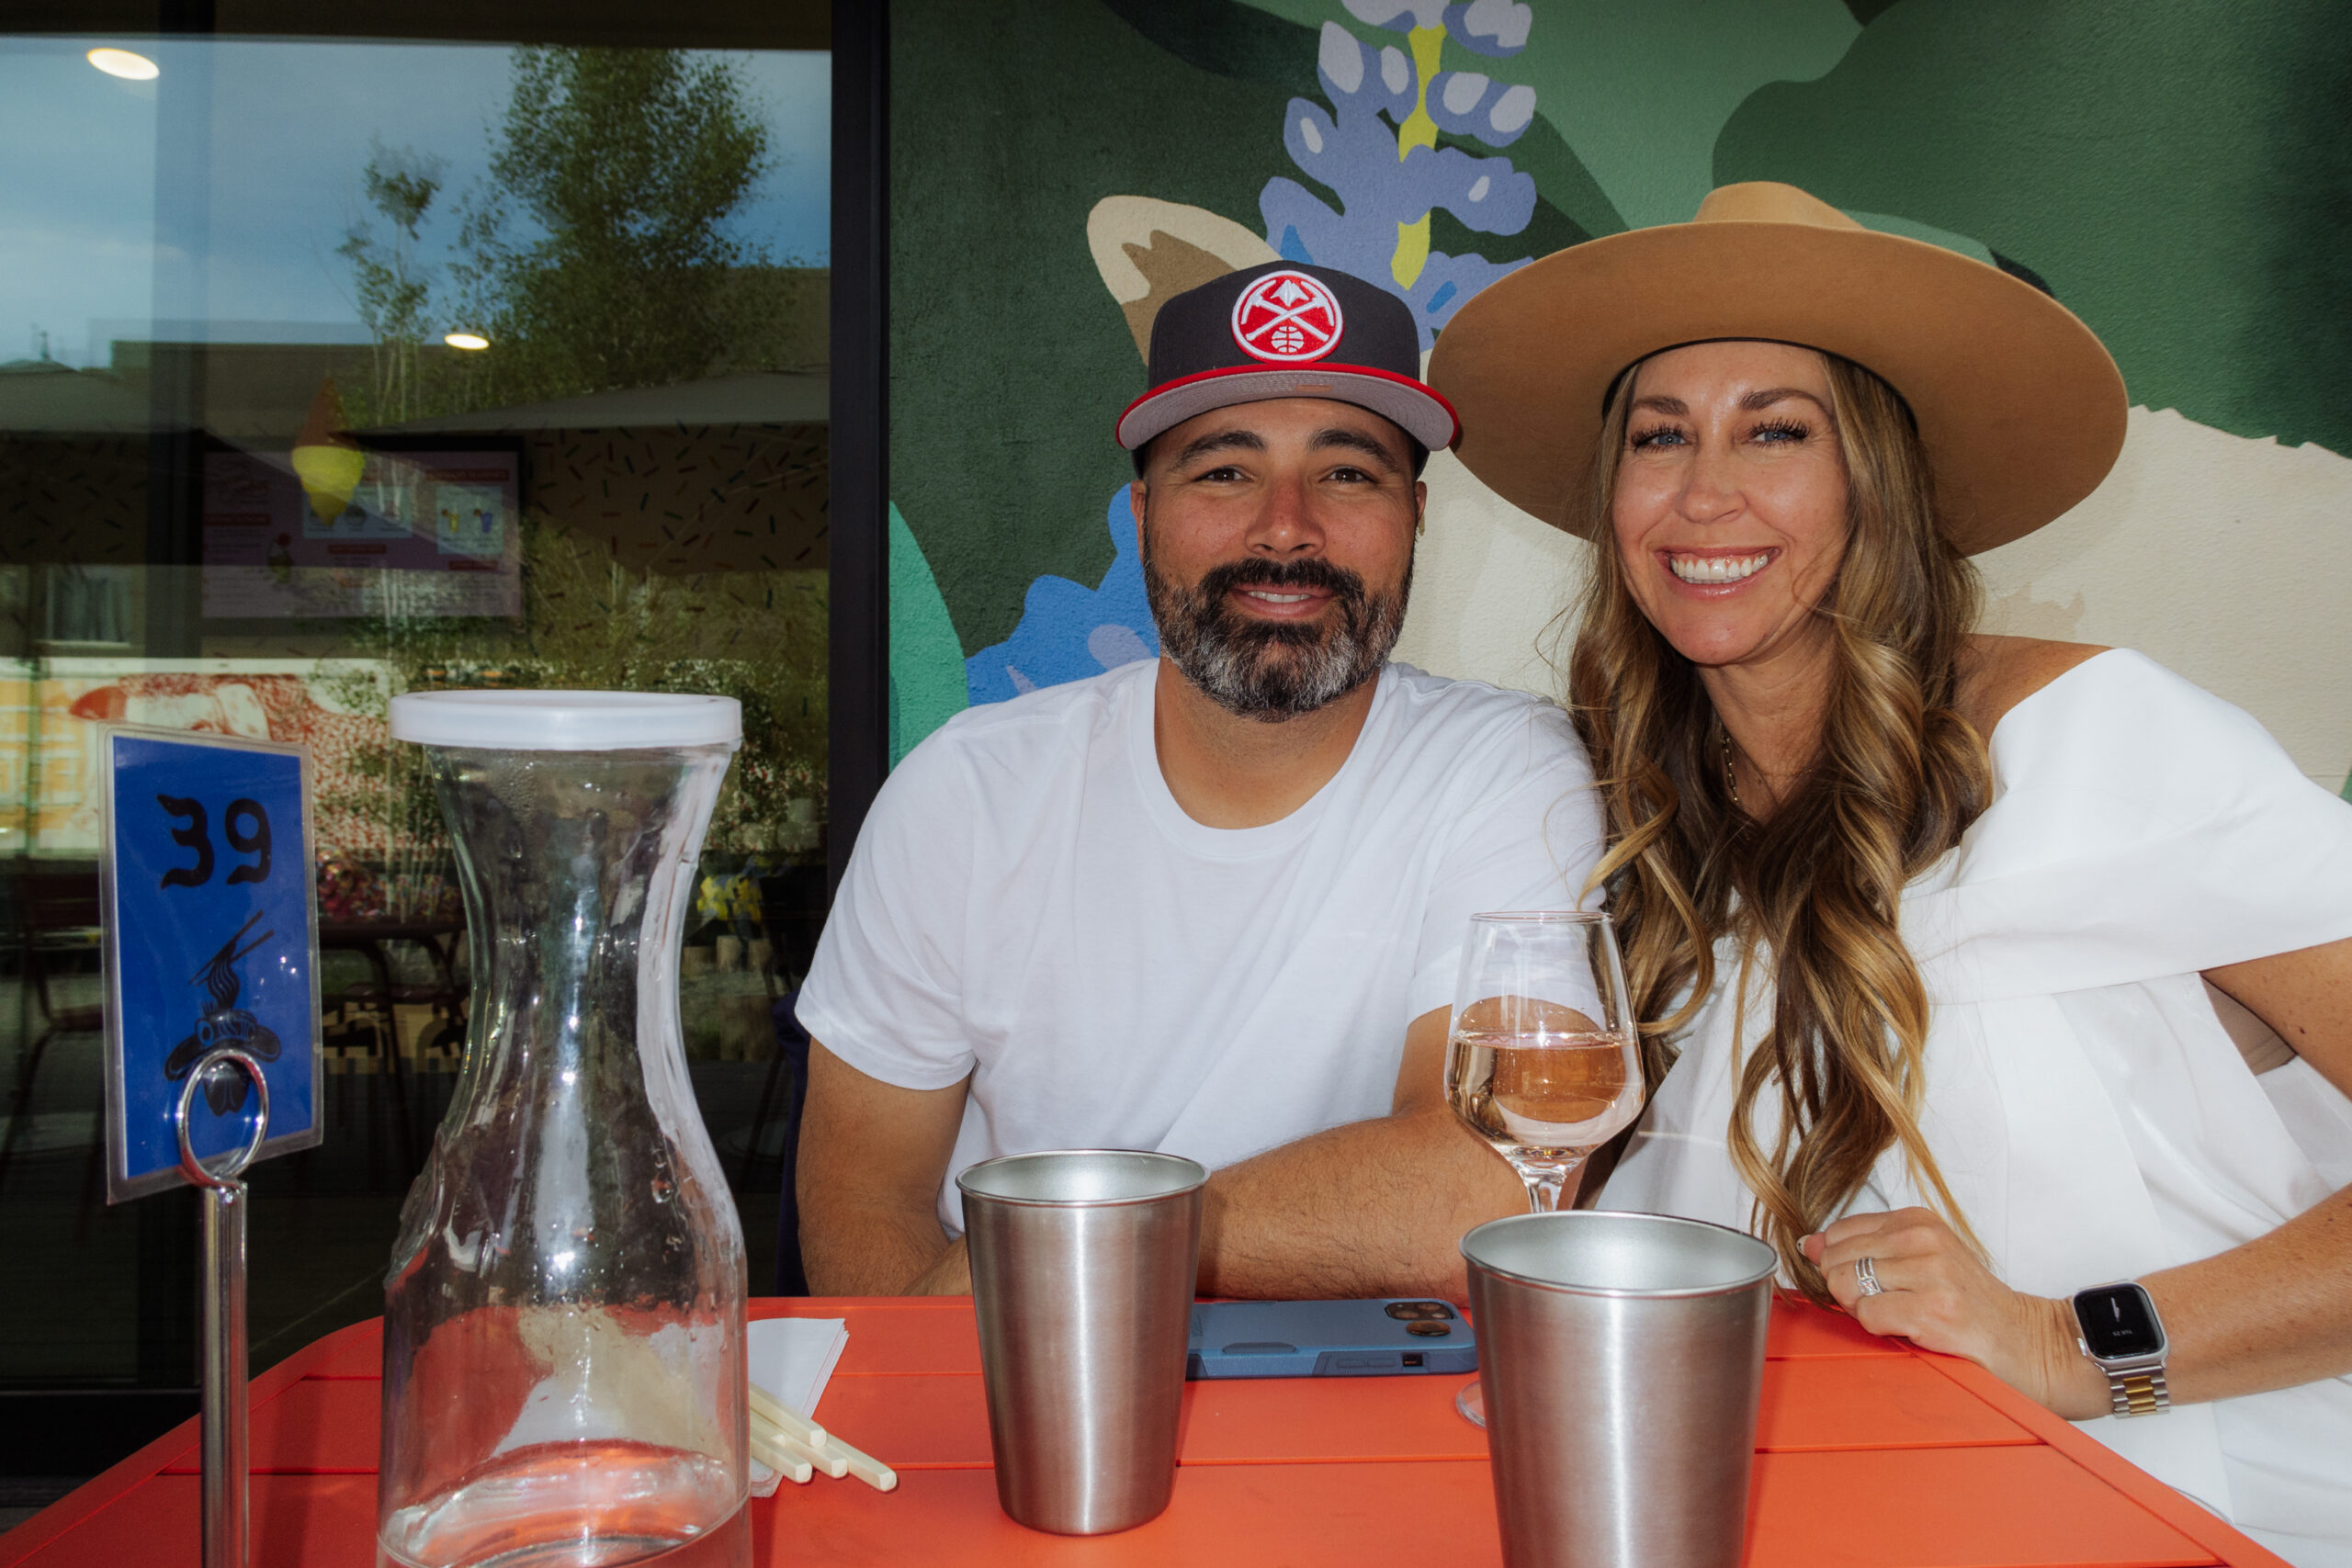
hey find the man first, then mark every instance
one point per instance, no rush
(1211, 904)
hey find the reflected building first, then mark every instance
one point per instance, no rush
(244, 491)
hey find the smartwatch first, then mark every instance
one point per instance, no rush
(2122, 1333)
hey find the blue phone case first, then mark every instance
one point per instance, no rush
(1387, 1336)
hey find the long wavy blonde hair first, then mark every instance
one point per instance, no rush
(1813, 892)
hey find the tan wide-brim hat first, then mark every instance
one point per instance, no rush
(2020, 407)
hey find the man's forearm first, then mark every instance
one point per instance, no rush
(1371, 1209)
(871, 1158)
(849, 1251)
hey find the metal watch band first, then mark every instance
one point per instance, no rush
(2139, 1393)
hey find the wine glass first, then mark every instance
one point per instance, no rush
(1541, 1060)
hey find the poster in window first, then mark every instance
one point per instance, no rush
(425, 533)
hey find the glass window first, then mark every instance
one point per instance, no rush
(331, 369)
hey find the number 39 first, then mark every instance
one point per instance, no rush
(252, 839)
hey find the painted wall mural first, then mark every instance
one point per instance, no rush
(2173, 170)
(1376, 151)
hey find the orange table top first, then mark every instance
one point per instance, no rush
(1868, 1453)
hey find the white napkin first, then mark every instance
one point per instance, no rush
(791, 1360)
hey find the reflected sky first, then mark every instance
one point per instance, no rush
(292, 126)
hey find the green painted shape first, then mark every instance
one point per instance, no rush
(1886, 223)
(1230, 37)
(2177, 172)
(926, 662)
(1639, 90)
(1008, 359)
(1305, 13)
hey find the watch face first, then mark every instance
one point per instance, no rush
(2117, 1322)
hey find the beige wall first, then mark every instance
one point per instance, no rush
(2222, 557)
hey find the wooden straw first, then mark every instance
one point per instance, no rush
(866, 1466)
(793, 1469)
(821, 1449)
(785, 1418)
(824, 1458)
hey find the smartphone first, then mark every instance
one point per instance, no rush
(1387, 1336)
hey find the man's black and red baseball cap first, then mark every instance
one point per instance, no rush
(1284, 329)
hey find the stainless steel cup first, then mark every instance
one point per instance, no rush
(1622, 1356)
(1082, 1269)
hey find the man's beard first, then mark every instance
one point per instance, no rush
(1274, 670)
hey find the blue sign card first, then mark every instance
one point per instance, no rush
(210, 911)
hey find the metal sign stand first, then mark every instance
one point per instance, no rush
(209, 906)
(227, 1452)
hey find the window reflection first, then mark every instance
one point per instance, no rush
(332, 369)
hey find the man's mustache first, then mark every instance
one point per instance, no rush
(1309, 573)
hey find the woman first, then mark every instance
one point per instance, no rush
(1945, 937)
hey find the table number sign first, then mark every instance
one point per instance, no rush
(210, 909)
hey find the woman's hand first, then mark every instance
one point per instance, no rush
(1939, 1294)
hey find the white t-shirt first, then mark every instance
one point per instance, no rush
(1028, 905)
(2086, 1108)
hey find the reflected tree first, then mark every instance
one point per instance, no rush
(603, 250)
(392, 287)
(599, 252)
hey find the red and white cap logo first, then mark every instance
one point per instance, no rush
(1287, 318)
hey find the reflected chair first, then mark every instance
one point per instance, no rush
(381, 994)
(61, 918)
(375, 996)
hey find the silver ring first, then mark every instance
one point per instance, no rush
(226, 1174)
(1866, 1277)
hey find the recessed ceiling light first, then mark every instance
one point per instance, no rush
(465, 340)
(123, 64)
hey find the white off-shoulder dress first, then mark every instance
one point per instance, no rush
(2092, 1116)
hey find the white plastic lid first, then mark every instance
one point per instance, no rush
(565, 721)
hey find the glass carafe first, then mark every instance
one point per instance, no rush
(563, 1319)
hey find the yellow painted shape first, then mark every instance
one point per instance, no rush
(1419, 131)
(329, 475)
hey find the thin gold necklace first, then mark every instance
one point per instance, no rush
(1731, 779)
